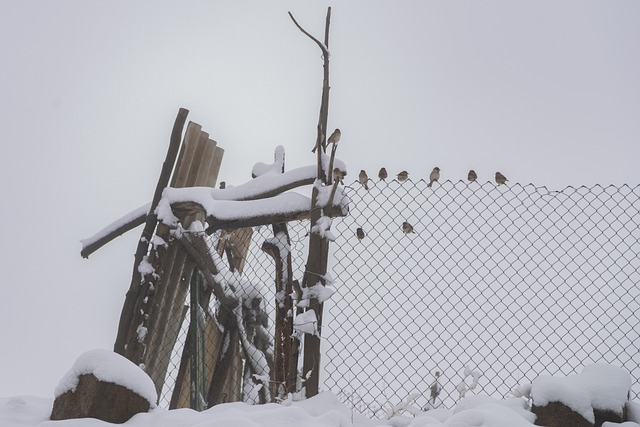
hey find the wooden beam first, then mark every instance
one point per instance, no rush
(125, 326)
(98, 241)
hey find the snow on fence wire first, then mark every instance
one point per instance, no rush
(509, 281)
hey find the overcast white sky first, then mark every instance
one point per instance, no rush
(545, 91)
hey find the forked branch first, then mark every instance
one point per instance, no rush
(325, 49)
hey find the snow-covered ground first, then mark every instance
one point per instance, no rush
(324, 410)
(598, 386)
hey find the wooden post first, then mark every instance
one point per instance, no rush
(316, 266)
(283, 377)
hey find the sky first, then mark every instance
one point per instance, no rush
(544, 91)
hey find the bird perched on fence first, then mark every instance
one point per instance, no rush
(363, 178)
(403, 176)
(500, 179)
(383, 174)
(407, 228)
(434, 176)
(472, 176)
(360, 233)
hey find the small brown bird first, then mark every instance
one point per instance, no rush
(434, 176)
(403, 176)
(337, 175)
(383, 174)
(363, 178)
(335, 137)
(500, 179)
(472, 176)
(407, 228)
(360, 233)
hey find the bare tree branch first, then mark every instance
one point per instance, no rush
(325, 51)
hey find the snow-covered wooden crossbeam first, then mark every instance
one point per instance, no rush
(262, 187)
(232, 214)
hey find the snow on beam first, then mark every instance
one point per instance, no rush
(232, 214)
(117, 228)
(268, 185)
(262, 187)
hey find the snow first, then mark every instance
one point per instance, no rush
(306, 323)
(136, 213)
(318, 291)
(110, 367)
(598, 386)
(265, 184)
(488, 415)
(322, 227)
(323, 410)
(145, 268)
(239, 202)
(274, 168)
(230, 210)
(339, 198)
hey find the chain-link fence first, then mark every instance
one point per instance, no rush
(509, 282)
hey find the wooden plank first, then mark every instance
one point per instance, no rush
(204, 171)
(187, 155)
(200, 151)
(130, 311)
(215, 167)
(196, 164)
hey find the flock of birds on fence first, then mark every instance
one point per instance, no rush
(434, 176)
(363, 179)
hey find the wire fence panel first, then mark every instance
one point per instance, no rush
(508, 281)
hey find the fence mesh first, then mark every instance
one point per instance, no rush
(509, 282)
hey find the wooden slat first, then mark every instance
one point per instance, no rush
(130, 315)
(215, 167)
(186, 156)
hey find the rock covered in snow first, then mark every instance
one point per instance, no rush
(599, 393)
(103, 385)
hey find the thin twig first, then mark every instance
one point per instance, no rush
(325, 51)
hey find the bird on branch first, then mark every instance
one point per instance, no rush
(337, 175)
(335, 137)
